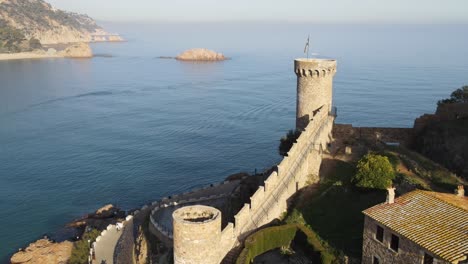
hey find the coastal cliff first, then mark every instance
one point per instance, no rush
(442, 136)
(28, 25)
(39, 20)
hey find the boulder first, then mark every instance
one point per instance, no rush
(106, 211)
(44, 251)
(79, 50)
(200, 55)
(51, 51)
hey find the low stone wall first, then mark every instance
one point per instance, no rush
(124, 245)
(383, 134)
(166, 231)
(453, 111)
(96, 256)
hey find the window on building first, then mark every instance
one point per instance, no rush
(428, 259)
(376, 260)
(394, 243)
(379, 234)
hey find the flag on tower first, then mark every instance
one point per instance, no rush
(306, 48)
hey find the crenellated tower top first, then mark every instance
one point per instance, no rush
(314, 67)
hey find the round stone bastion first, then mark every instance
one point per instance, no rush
(197, 234)
(314, 88)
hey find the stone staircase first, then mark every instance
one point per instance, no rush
(232, 255)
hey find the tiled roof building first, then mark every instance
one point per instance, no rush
(419, 227)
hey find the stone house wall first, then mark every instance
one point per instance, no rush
(408, 251)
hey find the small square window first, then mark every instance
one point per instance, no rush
(428, 259)
(394, 243)
(379, 234)
(376, 260)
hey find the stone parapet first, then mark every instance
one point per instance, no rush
(314, 67)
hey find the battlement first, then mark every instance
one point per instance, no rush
(314, 68)
(197, 214)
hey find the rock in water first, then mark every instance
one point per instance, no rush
(44, 251)
(79, 50)
(200, 55)
(115, 38)
(106, 211)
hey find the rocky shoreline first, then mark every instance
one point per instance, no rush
(75, 50)
(54, 250)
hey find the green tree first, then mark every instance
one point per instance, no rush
(287, 141)
(458, 96)
(374, 171)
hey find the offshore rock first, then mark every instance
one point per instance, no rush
(115, 38)
(44, 251)
(79, 50)
(200, 55)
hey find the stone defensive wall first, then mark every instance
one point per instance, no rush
(196, 232)
(300, 167)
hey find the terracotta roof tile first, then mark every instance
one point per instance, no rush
(437, 222)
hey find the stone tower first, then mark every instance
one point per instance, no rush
(197, 235)
(314, 88)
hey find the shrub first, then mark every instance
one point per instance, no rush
(287, 141)
(34, 43)
(374, 171)
(80, 251)
(458, 96)
(295, 217)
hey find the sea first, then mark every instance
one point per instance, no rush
(127, 128)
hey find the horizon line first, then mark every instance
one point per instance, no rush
(320, 22)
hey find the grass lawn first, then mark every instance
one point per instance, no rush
(336, 217)
(333, 208)
(334, 212)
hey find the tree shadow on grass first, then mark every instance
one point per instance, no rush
(337, 217)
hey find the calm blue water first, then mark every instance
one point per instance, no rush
(78, 134)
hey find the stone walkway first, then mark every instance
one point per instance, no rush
(164, 215)
(104, 251)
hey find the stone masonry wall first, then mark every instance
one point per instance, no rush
(408, 252)
(314, 88)
(302, 164)
(197, 235)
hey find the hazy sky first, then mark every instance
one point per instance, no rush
(417, 11)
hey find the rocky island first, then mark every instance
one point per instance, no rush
(200, 55)
(35, 29)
